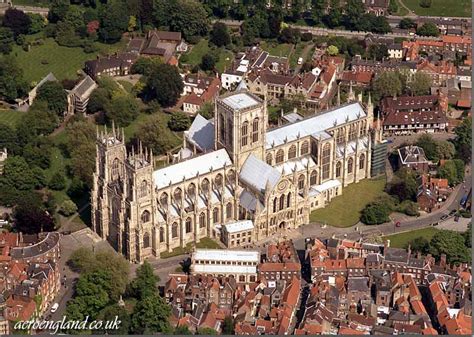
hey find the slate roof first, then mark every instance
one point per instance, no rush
(257, 174)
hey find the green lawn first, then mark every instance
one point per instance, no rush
(194, 56)
(10, 117)
(63, 62)
(225, 59)
(276, 49)
(297, 53)
(344, 210)
(441, 7)
(401, 240)
(203, 243)
(402, 11)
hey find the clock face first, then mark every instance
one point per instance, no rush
(282, 185)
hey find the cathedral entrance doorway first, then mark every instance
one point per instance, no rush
(282, 225)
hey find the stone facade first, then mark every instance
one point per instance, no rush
(235, 169)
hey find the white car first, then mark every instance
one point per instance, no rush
(300, 60)
(54, 308)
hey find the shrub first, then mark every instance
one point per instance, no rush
(425, 3)
(179, 121)
(68, 207)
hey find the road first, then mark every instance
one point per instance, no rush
(43, 11)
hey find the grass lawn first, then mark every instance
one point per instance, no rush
(10, 117)
(194, 56)
(401, 240)
(63, 62)
(344, 210)
(126, 85)
(297, 54)
(204, 243)
(441, 7)
(402, 11)
(225, 58)
(276, 49)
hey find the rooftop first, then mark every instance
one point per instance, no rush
(227, 255)
(240, 101)
(239, 226)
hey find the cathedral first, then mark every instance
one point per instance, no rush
(230, 168)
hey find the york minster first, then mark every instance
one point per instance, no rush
(231, 168)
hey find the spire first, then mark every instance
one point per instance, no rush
(123, 135)
(113, 129)
(351, 96)
(242, 86)
(369, 100)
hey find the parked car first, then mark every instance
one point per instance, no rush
(452, 212)
(300, 61)
(456, 218)
(444, 217)
(54, 308)
(435, 224)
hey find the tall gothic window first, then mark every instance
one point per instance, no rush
(205, 185)
(115, 168)
(230, 176)
(282, 201)
(352, 132)
(275, 202)
(189, 225)
(361, 161)
(230, 132)
(145, 217)
(350, 164)
(218, 181)
(146, 240)
(340, 136)
(288, 200)
(164, 199)
(177, 195)
(228, 210)
(326, 161)
(222, 127)
(269, 159)
(215, 215)
(314, 151)
(279, 156)
(174, 230)
(292, 152)
(202, 220)
(255, 130)
(191, 190)
(162, 234)
(301, 182)
(338, 169)
(244, 134)
(304, 148)
(313, 178)
(143, 189)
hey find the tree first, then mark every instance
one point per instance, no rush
(468, 236)
(109, 314)
(228, 326)
(6, 40)
(38, 23)
(377, 51)
(38, 153)
(354, 12)
(452, 244)
(155, 135)
(420, 84)
(132, 23)
(8, 139)
(445, 149)
(122, 109)
(206, 111)
(375, 213)
(429, 145)
(406, 23)
(392, 7)
(12, 83)
(182, 330)
(179, 121)
(206, 331)
(220, 35)
(289, 35)
(113, 21)
(453, 170)
(333, 50)
(428, 29)
(57, 181)
(17, 21)
(58, 10)
(403, 185)
(420, 244)
(17, 174)
(97, 101)
(53, 93)
(144, 284)
(68, 208)
(463, 140)
(32, 219)
(165, 85)
(145, 65)
(208, 61)
(425, 3)
(387, 84)
(151, 315)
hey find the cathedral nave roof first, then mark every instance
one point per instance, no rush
(201, 133)
(258, 174)
(300, 165)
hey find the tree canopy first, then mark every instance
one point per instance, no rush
(164, 84)
(452, 244)
(54, 95)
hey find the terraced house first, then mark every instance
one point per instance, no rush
(231, 168)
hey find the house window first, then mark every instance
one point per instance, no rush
(255, 130)
(350, 164)
(304, 148)
(292, 152)
(244, 134)
(361, 161)
(174, 230)
(189, 225)
(279, 156)
(326, 161)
